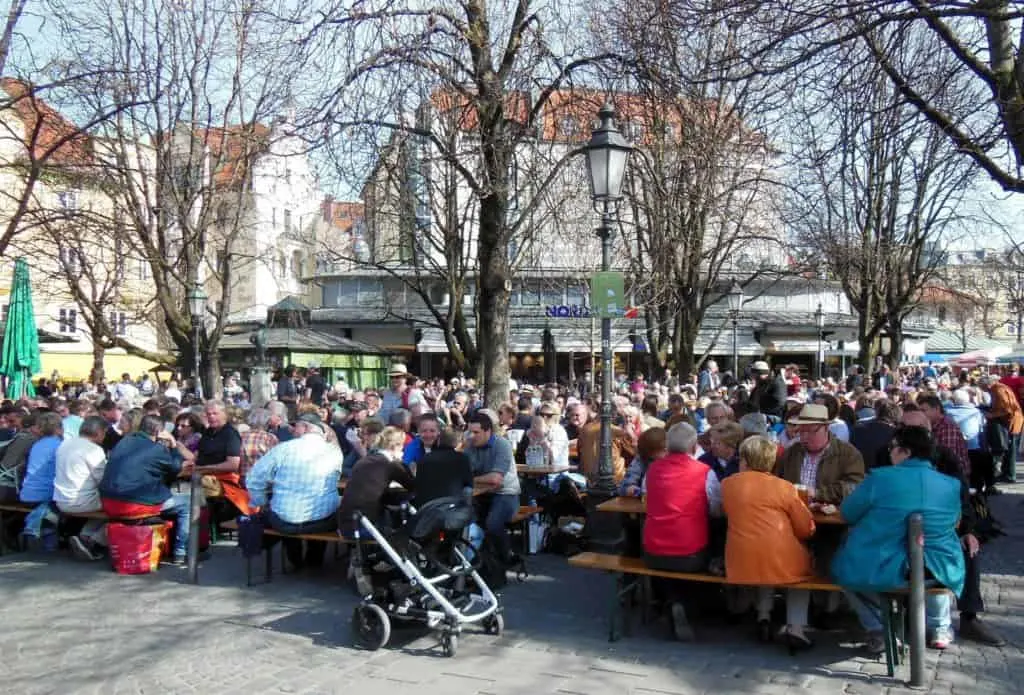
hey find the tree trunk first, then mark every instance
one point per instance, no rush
(96, 374)
(493, 298)
(895, 343)
(211, 374)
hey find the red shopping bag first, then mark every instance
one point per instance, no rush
(136, 549)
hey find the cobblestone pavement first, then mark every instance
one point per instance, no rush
(77, 628)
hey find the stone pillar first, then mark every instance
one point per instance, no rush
(259, 387)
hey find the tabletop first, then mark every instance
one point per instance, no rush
(635, 505)
(541, 470)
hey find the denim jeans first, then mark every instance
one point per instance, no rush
(179, 508)
(502, 509)
(938, 612)
(867, 609)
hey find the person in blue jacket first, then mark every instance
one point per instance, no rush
(874, 557)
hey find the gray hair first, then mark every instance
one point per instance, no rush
(259, 418)
(961, 397)
(400, 417)
(277, 408)
(216, 403)
(681, 438)
(151, 425)
(92, 426)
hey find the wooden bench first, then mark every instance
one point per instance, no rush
(23, 509)
(631, 576)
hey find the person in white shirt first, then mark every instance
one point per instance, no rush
(78, 472)
(125, 390)
(172, 392)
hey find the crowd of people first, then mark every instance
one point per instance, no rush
(701, 451)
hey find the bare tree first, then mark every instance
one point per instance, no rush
(982, 38)
(700, 211)
(876, 194)
(193, 86)
(496, 62)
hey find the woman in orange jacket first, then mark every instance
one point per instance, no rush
(768, 523)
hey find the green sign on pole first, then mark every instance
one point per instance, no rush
(608, 294)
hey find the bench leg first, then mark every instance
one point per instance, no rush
(248, 570)
(268, 569)
(890, 637)
(623, 587)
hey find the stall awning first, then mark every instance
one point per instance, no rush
(75, 366)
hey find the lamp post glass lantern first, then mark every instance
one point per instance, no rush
(607, 155)
(196, 298)
(196, 306)
(819, 319)
(735, 299)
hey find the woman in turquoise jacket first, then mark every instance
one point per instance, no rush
(873, 558)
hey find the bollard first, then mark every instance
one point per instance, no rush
(915, 543)
(195, 494)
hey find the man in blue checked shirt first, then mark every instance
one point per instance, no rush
(303, 476)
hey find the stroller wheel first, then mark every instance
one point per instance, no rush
(370, 626)
(495, 625)
(450, 644)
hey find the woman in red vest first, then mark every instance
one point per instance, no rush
(682, 493)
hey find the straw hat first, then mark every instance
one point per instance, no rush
(811, 414)
(398, 370)
(760, 366)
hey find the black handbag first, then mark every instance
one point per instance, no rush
(250, 535)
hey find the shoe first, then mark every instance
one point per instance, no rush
(875, 644)
(513, 560)
(941, 639)
(976, 631)
(681, 629)
(795, 641)
(763, 631)
(81, 551)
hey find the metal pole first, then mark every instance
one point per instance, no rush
(818, 357)
(605, 471)
(735, 350)
(194, 488)
(915, 542)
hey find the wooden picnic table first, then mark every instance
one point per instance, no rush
(541, 470)
(635, 505)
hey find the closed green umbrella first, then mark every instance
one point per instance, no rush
(20, 357)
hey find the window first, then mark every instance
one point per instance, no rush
(119, 322)
(568, 126)
(70, 260)
(531, 296)
(68, 322)
(297, 265)
(942, 314)
(575, 296)
(68, 200)
(287, 220)
(551, 296)
(513, 297)
(143, 269)
(7, 310)
(282, 265)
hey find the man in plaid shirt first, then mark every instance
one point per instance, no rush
(945, 431)
(256, 441)
(303, 475)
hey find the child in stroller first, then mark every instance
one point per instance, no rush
(419, 571)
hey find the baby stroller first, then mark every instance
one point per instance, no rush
(421, 571)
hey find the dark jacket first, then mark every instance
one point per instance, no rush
(443, 473)
(15, 454)
(732, 466)
(872, 439)
(840, 470)
(367, 489)
(139, 470)
(769, 396)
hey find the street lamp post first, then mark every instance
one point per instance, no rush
(196, 305)
(607, 154)
(735, 298)
(819, 319)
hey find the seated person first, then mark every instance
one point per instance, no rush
(534, 449)
(874, 556)
(723, 449)
(682, 493)
(37, 488)
(768, 523)
(428, 428)
(367, 490)
(135, 480)
(828, 466)
(15, 453)
(79, 470)
(444, 472)
(218, 459)
(369, 437)
(302, 473)
(494, 472)
(649, 447)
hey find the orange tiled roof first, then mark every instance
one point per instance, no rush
(48, 134)
(232, 149)
(342, 214)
